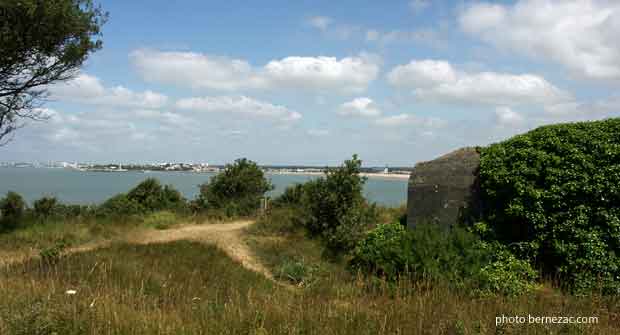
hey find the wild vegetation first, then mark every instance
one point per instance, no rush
(553, 196)
(339, 265)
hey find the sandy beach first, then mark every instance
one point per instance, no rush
(369, 175)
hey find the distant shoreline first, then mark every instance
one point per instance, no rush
(364, 174)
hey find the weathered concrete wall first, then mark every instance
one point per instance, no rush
(442, 189)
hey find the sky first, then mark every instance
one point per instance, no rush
(314, 82)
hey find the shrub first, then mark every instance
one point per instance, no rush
(118, 205)
(334, 207)
(505, 273)
(12, 209)
(434, 254)
(45, 207)
(237, 190)
(385, 251)
(553, 195)
(291, 197)
(297, 272)
(150, 196)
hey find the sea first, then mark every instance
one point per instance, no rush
(84, 187)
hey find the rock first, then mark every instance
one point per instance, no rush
(445, 189)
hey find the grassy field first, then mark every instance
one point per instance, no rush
(194, 288)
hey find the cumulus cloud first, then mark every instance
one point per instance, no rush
(195, 70)
(580, 35)
(349, 74)
(438, 81)
(423, 73)
(238, 105)
(87, 89)
(359, 107)
(506, 117)
(409, 120)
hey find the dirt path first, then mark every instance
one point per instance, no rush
(227, 236)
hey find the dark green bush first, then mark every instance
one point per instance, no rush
(435, 254)
(385, 251)
(119, 205)
(150, 196)
(237, 190)
(12, 208)
(553, 195)
(45, 207)
(291, 197)
(334, 207)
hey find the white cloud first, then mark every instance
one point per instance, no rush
(87, 89)
(349, 74)
(320, 22)
(409, 120)
(423, 73)
(438, 81)
(196, 70)
(359, 107)
(580, 35)
(606, 107)
(506, 117)
(239, 105)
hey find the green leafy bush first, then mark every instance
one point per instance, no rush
(505, 273)
(291, 197)
(119, 205)
(385, 251)
(434, 254)
(45, 207)
(553, 195)
(150, 196)
(334, 208)
(237, 190)
(12, 208)
(297, 272)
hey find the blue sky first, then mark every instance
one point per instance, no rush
(312, 82)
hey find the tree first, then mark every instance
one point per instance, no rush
(12, 209)
(237, 190)
(41, 42)
(335, 208)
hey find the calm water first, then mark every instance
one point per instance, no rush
(93, 187)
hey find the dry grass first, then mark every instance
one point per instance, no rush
(195, 288)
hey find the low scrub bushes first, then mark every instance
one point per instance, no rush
(333, 207)
(552, 194)
(434, 254)
(237, 190)
(12, 208)
(150, 196)
(45, 207)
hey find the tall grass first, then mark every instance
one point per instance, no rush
(191, 288)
